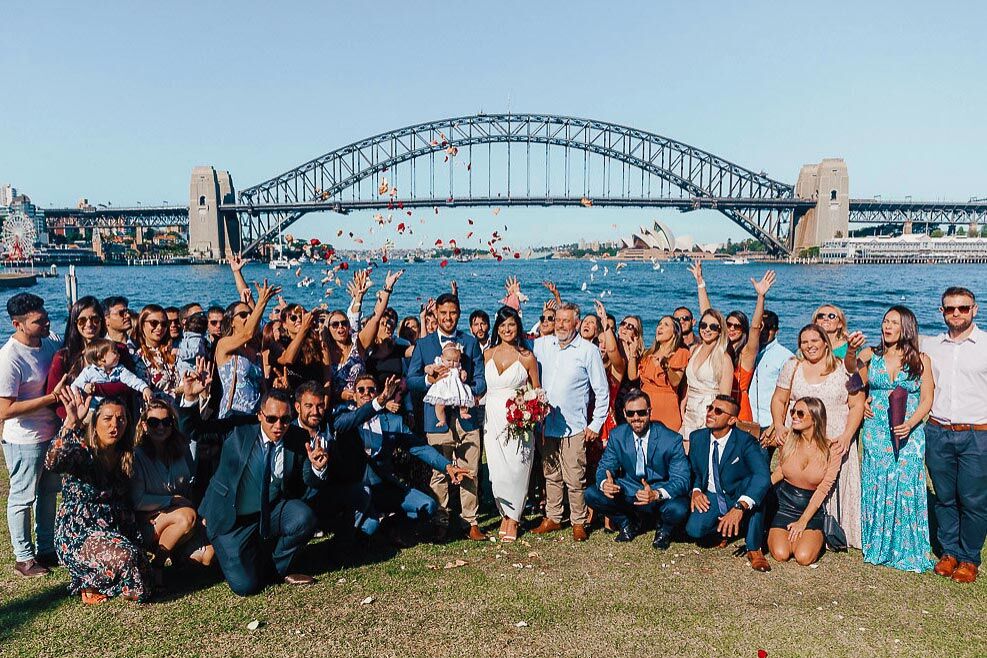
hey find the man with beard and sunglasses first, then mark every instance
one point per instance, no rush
(956, 436)
(254, 507)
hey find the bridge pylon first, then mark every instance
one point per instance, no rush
(212, 234)
(828, 184)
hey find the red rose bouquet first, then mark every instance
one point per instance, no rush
(527, 408)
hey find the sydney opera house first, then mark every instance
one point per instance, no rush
(657, 242)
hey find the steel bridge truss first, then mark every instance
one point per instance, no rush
(645, 163)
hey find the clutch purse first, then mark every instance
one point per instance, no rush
(897, 410)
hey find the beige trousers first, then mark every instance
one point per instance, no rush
(462, 448)
(563, 462)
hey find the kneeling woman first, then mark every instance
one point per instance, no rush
(807, 468)
(162, 484)
(96, 534)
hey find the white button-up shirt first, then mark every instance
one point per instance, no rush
(568, 374)
(960, 372)
(721, 445)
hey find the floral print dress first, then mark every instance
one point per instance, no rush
(96, 534)
(894, 510)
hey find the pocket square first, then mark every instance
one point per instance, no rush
(735, 460)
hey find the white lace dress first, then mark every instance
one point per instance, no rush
(508, 458)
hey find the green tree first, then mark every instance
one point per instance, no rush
(936, 233)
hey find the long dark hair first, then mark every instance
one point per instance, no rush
(74, 343)
(911, 357)
(745, 328)
(503, 314)
(176, 442)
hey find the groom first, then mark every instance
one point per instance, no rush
(459, 440)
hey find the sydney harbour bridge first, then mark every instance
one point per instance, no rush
(499, 160)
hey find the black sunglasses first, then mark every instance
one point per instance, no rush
(949, 310)
(826, 316)
(366, 389)
(684, 318)
(712, 326)
(336, 324)
(157, 423)
(242, 315)
(636, 413)
(154, 323)
(734, 325)
(716, 410)
(273, 420)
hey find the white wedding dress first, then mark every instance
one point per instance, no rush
(508, 459)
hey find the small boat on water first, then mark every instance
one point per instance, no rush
(736, 260)
(280, 263)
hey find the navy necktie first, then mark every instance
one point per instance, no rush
(721, 501)
(265, 491)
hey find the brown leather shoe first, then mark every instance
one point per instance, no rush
(30, 569)
(758, 561)
(546, 525)
(946, 566)
(476, 534)
(579, 532)
(299, 579)
(965, 573)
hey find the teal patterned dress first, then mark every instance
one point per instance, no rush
(894, 511)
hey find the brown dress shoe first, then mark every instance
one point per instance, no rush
(946, 566)
(546, 525)
(965, 573)
(758, 561)
(30, 569)
(299, 579)
(579, 532)
(476, 534)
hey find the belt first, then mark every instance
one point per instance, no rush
(958, 427)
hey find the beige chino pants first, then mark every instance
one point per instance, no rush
(462, 448)
(563, 463)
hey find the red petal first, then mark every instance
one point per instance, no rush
(517, 255)
(344, 266)
(443, 263)
(401, 204)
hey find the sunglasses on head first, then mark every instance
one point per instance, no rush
(154, 323)
(963, 308)
(798, 413)
(712, 326)
(366, 389)
(274, 420)
(717, 411)
(88, 319)
(157, 423)
(826, 316)
(636, 413)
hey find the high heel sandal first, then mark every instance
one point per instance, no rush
(92, 597)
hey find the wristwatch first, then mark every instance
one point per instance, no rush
(740, 506)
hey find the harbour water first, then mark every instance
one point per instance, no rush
(863, 291)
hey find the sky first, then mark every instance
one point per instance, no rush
(118, 101)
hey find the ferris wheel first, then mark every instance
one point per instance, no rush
(18, 236)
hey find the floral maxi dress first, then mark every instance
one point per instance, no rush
(894, 511)
(96, 535)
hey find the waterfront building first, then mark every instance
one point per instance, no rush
(914, 248)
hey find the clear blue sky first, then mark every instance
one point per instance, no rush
(118, 101)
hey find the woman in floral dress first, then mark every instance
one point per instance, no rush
(96, 534)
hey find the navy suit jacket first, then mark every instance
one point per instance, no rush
(426, 349)
(665, 464)
(744, 467)
(376, 451)
(240, 434)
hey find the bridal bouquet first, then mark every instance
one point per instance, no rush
(527, 408)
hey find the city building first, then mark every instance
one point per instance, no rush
(7, 194)
(914, 248)
(11, 201)
(658, 237)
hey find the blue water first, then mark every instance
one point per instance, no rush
(863, 291)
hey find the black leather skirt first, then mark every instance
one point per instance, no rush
(792, 502)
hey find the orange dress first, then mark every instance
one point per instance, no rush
(741, 392)
(664, 398)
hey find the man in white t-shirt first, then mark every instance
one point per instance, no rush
(29, 424)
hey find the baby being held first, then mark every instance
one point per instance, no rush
(104, 367)
(450, 390)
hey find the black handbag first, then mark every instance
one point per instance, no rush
(832, 530)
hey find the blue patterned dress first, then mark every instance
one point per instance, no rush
(894, 511)
(243, 398)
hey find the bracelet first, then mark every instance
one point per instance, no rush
(388, 290)
(701, 285)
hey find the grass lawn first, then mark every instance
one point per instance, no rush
(592, 599)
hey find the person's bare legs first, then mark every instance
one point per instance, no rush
(778, 544)
(464, 412)
(172, 526)
(440, 415)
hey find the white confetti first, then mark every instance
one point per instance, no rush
(254, 625)
(521, 624)
(367, 601)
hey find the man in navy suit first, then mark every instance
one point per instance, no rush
(730, 477)
(459, 440)
(643, 475)
(379, 432)
(253, 509)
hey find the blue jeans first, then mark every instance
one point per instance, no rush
(32, 489)
(957, 463)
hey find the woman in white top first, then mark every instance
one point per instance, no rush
(709, 373)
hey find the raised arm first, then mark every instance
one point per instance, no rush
(294, 348)
(229, 344)
(608, 341)
(749, 354)
(368, 334)
(697, 273)
(236, 262)
(552, 288)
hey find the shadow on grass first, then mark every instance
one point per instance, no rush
(20, 611)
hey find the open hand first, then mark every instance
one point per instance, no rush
(764, 285)
(237, 261)
(76, 406)
(696, 269)
(700, 501)
(265, 292)
(795, 530)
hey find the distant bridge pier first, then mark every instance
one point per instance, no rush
(212, 233)
(828, 184)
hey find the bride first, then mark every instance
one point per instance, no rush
(508, 365)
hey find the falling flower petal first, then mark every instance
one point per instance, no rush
(586, 203)
(254, 625)
(443, 263)
(495, 211)
(367, 601)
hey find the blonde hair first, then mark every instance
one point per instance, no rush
(719, 357)
(830, 358)
(840, 315)
(817, 411)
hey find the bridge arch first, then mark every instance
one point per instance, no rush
(693, 171)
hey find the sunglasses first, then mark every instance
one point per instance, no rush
(547, 318)
(89, 319)
(629, 325)
(242, 315)
(175, 323)
(389, 323)
(215, 323)
(712, 326)
(798, 413)
(154, 323)
(336, 324)
(274, 420)
(157, 423)
(366, 389)
(294, 317)
(734, 325)
(826, 316)
(949, 310)
(717, 411)
(636, 413)
(684, 318)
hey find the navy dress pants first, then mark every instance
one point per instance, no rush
(957, 463)
(668, 514)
